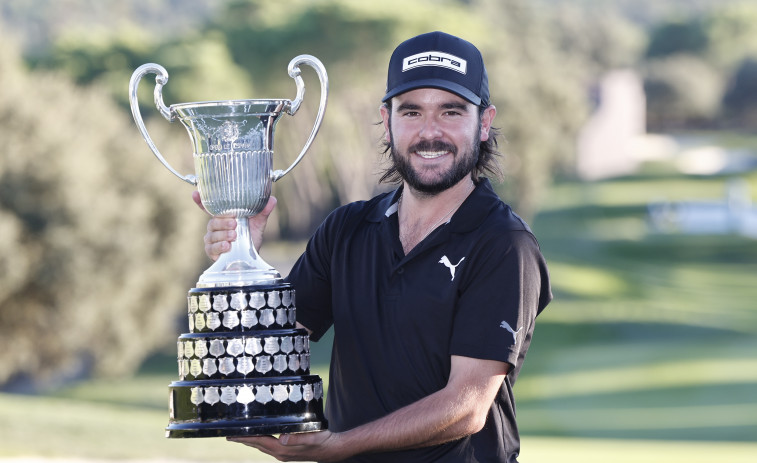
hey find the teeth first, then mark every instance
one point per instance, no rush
(430, 154)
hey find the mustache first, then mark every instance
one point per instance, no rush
(433, 145)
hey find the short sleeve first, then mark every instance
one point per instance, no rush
(310, 277)
(501, 298)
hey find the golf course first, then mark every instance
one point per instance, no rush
(648, 352)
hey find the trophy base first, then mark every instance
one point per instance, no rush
(259, 427)
(244, 367)
(279, 405)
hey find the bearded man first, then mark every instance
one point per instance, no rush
(432, 289)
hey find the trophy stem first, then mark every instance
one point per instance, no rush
(241, 266)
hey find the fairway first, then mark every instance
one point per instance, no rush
(549, 450)
(652, 336)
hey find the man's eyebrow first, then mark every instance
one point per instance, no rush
(455, 105)
(408, 106)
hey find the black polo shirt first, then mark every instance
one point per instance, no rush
(472, 287)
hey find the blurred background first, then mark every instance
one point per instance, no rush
(631, 148)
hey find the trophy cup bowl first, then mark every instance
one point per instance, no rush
(233, 161)
(233, 158)
(244, 366)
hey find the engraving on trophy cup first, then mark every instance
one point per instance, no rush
(230, 319)
(264, 394)
(244, 365)
(238, 301)
(280, 393)
(201, 348)
(295, 395)
(253, 346)
(249, 319)
(294, 362)
(228, 395)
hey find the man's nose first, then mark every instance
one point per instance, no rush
(431, 129)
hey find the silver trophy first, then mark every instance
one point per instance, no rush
(233, 158)
(244, 366)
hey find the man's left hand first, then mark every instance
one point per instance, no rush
(310, 446)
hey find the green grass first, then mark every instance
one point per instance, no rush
(648, 353)
(580, 450)
(108, 419)
(651, 336)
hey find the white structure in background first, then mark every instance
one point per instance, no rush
(614, 143)
(608, 144)
(734, 214)
(708, 159)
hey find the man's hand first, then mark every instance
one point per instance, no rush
(222, 230)
(312, 446)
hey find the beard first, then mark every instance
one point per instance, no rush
(463, 165)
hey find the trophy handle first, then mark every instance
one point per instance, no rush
(294, 72)
(161, 77)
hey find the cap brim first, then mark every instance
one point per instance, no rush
(434, 83)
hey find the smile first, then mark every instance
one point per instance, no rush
(431, 154)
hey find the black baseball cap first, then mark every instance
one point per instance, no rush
(438, 60)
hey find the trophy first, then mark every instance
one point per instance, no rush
(244, 366)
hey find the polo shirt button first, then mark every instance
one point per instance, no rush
(401, 270)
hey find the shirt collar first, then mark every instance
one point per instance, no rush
(469, 216)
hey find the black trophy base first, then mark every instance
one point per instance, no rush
(261, 406)
(241, 428)
(244, 367)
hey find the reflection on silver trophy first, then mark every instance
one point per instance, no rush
(233, 158)
(244, 366)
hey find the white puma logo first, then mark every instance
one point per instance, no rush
(509, 328)
(444, 260)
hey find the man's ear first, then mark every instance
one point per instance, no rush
(487, 118)
(385, 117)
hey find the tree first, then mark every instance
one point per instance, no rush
(740, 100)
(99, 244)
(682, 90)
(677, 37)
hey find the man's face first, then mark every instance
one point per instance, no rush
(434, 137)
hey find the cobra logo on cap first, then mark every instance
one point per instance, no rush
(435, 58)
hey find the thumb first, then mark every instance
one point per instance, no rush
(259, 222)
(269, 207)
(196, 198)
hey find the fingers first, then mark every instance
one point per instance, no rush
(221, 232)
(272, 201)
(266, 444)
(222, 224)
(259, 221)
(295, 447)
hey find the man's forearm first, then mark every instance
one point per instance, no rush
(432, 420)
(458, 410)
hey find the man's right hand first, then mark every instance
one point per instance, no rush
(222, 230)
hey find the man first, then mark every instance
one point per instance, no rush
(432, 289)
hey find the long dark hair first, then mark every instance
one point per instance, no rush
(487, 165)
